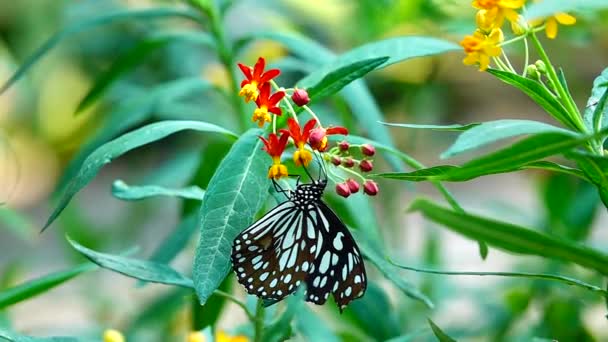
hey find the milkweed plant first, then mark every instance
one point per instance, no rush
(309, 117)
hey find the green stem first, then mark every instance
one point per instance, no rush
(259, 322)
(562, 93)
(527, 57)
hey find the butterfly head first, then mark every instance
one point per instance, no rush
(308, 192)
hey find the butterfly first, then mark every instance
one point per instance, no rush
(300, 241)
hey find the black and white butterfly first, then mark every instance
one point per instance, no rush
(300, 241)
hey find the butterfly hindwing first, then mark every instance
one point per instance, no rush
(271, 257)
(339, 268)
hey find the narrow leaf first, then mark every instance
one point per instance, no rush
(126, 192)
(149, 271)
(596, 170)
(441, 336)
(121, 145)
(513, 238)
(236, 192)
(596, 111)
(92, 23)
(455, 128)
(40, 285)
(492, 131)
(337, 79)
(538, 94)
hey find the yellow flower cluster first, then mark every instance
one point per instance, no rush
(491, 14)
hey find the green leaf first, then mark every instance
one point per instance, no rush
(398, 48)
(508, 159)
(92, 23)
(388, 270)
(236, 192)
(121, 145)
(538, 93)
(280, 330)
(441, 336)
(546, 276)
(149, 271)
(126, 192)
(337, 79)
(375, 314)
(14, 337)
(550, 7)
(313, 328)
(596, 111)
(454, 128)
(596, 170)
(131, 113)
(512, 238)
(492, 131)
(40, 285)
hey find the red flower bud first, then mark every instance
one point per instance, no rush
(366, 165)
(368, 150)
(353, 186)
(343, 145)
(348, 162)
(300, 97)
(370, 187)
(336, 160)
(318, 139)
(343, 190)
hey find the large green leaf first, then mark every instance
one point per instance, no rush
(136, 56)
(313, 328)
(121, 145)
(508, 159)
(235, 193)
(398, 49)
(40, 285)
(130, 113)
(280, 330)
(513, 238)
(149, 271)
(374, 313)
(492, 131)
(127, 192)
(337, 79)
(596, 111)
(538, 93)
(550, 7)
(92, 23)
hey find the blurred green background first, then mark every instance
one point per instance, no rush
(39, 135)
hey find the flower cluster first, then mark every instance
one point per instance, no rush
(306, 139)
(487, 40)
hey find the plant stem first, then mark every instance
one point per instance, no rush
(259, 321)
(562, 93)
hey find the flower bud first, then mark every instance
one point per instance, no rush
(370, 187)
(343, 145)
(348, 162)
(366, 165)
(540, 65)
(318, 139)
(368, 150)
(532, 72)
(343, 190)
(336, 160)
(300, 97)
(353, 186)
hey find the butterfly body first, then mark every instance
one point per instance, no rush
(300, 241)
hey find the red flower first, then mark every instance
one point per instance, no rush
(300, 136)
(318, 136)
(353, 186)
(266, 103)
(300, 97)
(343, 190)
(275, 146)
(370, 187)
(366, 165)
(250, 87)
(368, 150)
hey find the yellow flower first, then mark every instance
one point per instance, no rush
(302, 156)
(277, 170)
(112, 335)
(480, 47)
(551, 24)
(196, 336)
(261, 115)
(223, 337)
(495, 11)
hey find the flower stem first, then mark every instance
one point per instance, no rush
(312, 114)
(527, 57)
(562, 93)
(259, 322)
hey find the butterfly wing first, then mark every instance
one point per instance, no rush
(272, 257)
(338, 267)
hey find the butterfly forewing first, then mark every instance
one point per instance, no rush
(271, 258)
(339, 267)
